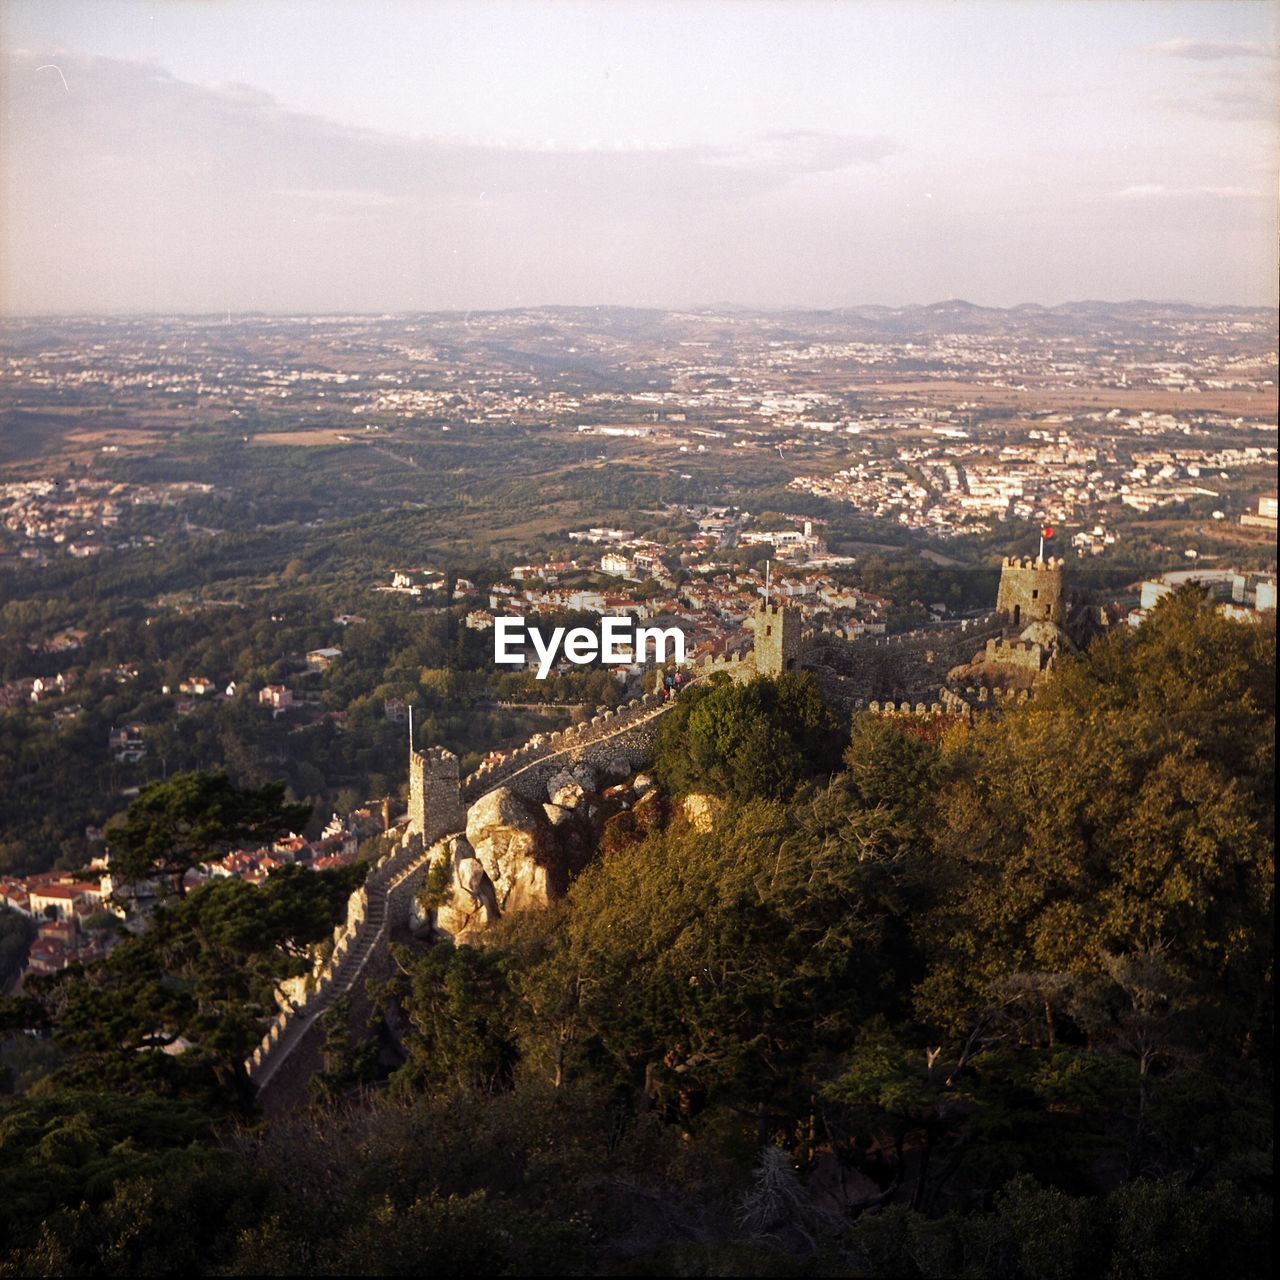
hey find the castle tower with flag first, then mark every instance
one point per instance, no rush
(1032, 590)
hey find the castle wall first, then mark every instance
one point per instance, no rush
(625, 734)
(1016, 654)
(899, 674)
(356, 943)
(912, 666)
(438, 802)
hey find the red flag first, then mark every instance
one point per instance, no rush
(1046, 532)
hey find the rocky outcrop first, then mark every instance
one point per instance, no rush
(565, 791)
(515, 844)
(570, 786)
(519, 854)
(701, 811)
(558, 815)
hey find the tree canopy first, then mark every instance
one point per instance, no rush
(754, 740)
(176, 825)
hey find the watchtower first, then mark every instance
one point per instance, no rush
(777, 639)
(435, 794)
(1030, 590)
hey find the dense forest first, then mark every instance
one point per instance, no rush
(923, 999)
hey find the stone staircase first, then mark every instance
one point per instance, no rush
(351, 956)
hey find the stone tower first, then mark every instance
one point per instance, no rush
(435, 794)
(1030, 590)
(777, 639)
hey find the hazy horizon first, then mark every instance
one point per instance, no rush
(689, 308)
(324, 158)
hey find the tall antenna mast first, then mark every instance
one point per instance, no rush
(766, 581)
(411, 728)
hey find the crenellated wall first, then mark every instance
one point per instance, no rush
(945, 707)
(913, 665)
(628, 732)
(354, 941)
(741, 666)
(1016, 653)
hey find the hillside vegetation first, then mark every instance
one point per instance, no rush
(923, 1000)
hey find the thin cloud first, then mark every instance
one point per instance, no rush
(1158, 191)
(802, 151)
(351, 197)
(1212, 50)
(1241, 103)
(139, 110)
(132, 189)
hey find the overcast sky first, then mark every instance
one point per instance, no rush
(393, 155)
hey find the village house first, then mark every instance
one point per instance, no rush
(276, 696)
(126, 744)
(59, 901)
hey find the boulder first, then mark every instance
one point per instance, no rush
(517, 848)
(472, 905)
(569, 795)
(562, 778)
(649, 809)
(701, 811)
(500, 807)
(586, 775)
(557, 814)
(641, 783)
(472, 878)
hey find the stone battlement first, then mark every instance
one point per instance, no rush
(437, 762)
(740, 666)
(1051, 565)
(1016, 653)
(930, 638)
(354, 940)
(575, 739)
(906, 708)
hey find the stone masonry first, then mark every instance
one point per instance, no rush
(1031, 590)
